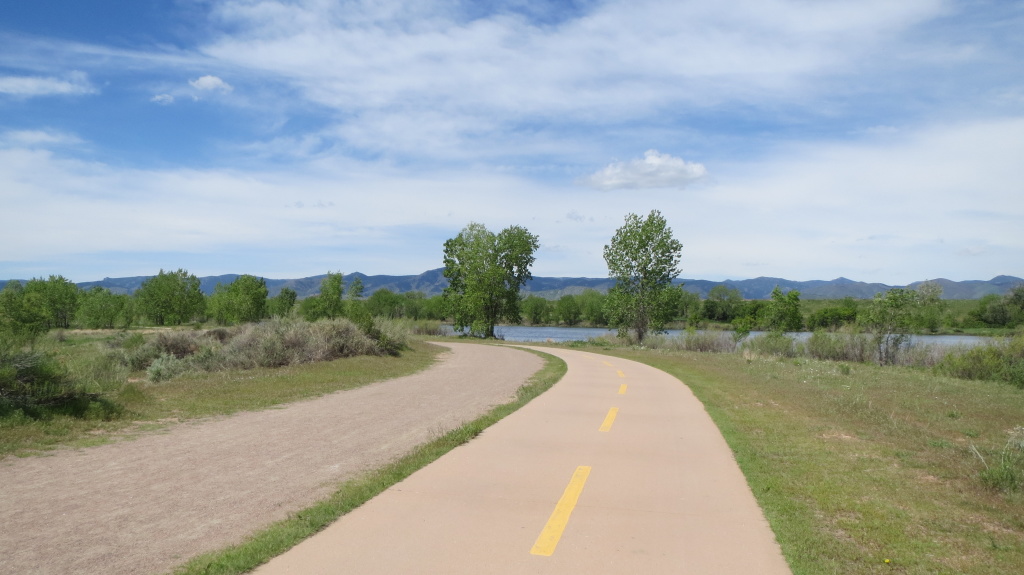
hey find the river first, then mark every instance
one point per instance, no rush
(524, 333)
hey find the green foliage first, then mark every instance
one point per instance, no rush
(889, 319)
(643, 258)
(722, 305)
(170, 298)
(839, 346)
(31, 378)
(997, 361)
(102, 309)
(592, 307)
(834, 317)
(485, 274)
(243, 300)
(281, 305)
(568, 310)
(1000, 311)
(58, 298)
(774, 343)
(22, 315)
(1006, 473)
(783, 311)
(386, 303)
(536, 309)
(332, 290)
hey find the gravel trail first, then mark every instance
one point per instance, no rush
(147, 505)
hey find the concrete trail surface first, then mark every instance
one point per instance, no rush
(617, 469)
(147, 505)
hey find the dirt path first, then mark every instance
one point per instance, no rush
(147, 505)
(616, 469)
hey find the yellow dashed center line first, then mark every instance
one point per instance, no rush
(621, 374)
(608, 364)
(552, 532)
(609, 419)
(622, 389)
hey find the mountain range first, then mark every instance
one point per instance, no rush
(433, 282)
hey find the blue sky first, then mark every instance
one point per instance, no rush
(876, 140)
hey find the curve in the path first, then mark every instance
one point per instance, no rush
(616, 469)
(147, 505)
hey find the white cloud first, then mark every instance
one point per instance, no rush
(162, 99)
(210, 83)
(37, 138)
(653, 171)
(76, 83)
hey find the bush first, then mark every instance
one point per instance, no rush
(30, 378)
(693, 340)
(839, 346)
(772, 343)
(997, 361)
(165, 367)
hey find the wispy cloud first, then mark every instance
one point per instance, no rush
(162, 99)
(37, 138)
(655, 170)
(74, 84)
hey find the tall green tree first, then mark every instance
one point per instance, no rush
(643, 258)
(783, 311)
(332, 290)
(170, 298)
(568, 310)
(102, 309)
(23, 316)
(281, 304)
(486, 272)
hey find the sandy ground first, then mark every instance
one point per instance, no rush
(147, 505)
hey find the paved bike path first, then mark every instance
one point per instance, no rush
(616, 469)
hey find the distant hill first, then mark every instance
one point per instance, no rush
(432, 282)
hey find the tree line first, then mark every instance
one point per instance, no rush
(486, 272)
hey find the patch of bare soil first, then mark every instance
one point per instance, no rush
(147, 505)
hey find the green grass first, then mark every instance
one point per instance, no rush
(857, 464)
(283, 535)
(118, 408)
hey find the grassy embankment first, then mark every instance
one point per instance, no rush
(124, 402)
(858, 464)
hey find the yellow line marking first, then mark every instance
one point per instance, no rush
(608, 364)
(552, 532)
(621, 374)
(609, 419)
(622, 389)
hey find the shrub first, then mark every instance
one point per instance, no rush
(997, 361)
(706, 341)
(772, 343)
(177, 343)
(839, 346)
(165, 367)
(33, 378)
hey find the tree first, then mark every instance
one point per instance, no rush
(281, 304)
(536, 309)
(170, 298)
(643, 258)
(485, 274)
(889, 320)
(568, 310)
(783, 311)
(22, 316)
(723, 304)
(332, 289)
(385, 303)
(592, 307)
(102, 309)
